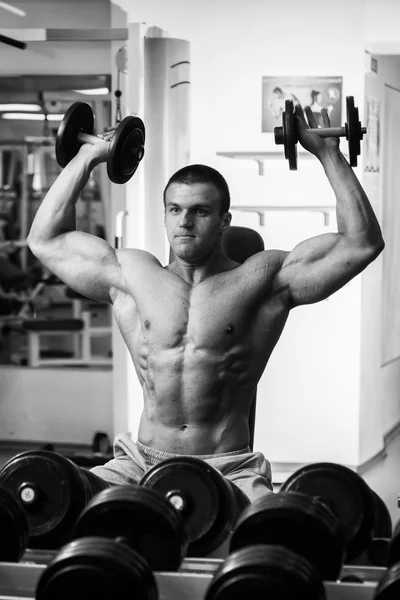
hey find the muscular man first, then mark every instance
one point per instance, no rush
(201, 330)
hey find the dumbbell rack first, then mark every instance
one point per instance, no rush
(18, 580)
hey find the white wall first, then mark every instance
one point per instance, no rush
(54, 405)
(379, 394)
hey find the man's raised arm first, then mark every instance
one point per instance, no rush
(321, 265)
(84, 262)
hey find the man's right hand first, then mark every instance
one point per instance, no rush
(97, 153)
(310, 141)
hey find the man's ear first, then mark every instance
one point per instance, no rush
(226, 222)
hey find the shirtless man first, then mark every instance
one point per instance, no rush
(201, 330)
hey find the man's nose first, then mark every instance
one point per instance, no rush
(186, 220)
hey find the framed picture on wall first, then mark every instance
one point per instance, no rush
(316, 92)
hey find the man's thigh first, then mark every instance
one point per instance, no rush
(255, 486)
(120, 471)
(128, 465)
(251, 472)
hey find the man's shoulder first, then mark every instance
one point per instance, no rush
(135, 257)
(271, 259)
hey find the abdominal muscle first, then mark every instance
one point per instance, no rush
(195, 401)
(198, 357)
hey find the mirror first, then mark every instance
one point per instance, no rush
(31, 109)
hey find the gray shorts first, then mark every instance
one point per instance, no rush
(250, 471)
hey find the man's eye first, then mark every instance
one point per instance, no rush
(174, 209)
(201, 211)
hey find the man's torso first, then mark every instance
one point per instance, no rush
(199, 351)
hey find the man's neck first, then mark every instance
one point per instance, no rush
(196, 272)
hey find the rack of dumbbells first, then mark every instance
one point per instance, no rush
(186, 532)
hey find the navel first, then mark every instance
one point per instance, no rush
(147, 324)
(230, 329)
(183, 428)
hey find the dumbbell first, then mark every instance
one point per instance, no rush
(126, 148)
(352, 131)
(209, 503)
(140, 518)
(389, 584)
(377, 552)
(96, 567)
(14, 532)
(347, 494)
(265, 571)
(300, 523)
(52, 491)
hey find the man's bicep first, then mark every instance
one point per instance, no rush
(319, 266)
(84, 262)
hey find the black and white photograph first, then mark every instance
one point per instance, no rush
(199, 300)
(315, 92)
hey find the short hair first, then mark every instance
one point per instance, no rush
(202, 174)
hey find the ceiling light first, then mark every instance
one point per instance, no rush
(13, 9)
(30, 117)
(23, 107)
(94, 92)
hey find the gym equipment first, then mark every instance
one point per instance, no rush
(208, 502)
(126, 148)
(383, 527)
(298, 522)
(388, 587)
(141, 519)
(263, 571)
(352, 131)
(377, 552)
(348, 496)
(13, 528)
(98, 568)
(52, 492)
(394, 548)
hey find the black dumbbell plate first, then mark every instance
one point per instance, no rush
(78, 118)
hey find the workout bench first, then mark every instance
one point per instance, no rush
(79, 326)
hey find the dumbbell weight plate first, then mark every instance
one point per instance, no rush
(206, 500)
(126, 149)
(141, 518)
(52, 492)
(78, 118)
(97, 568)
(346, 493)
(262, 571)
(389, 585)
(296, 521)
(377, 551)
(353, 131)
(289, 133)
(383, 527)
(394, 548)
(13, 528)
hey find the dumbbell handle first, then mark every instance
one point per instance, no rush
(323, 132)
(333, 131)
(84, 138)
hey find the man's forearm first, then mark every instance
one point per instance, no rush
(355, 216)
(56, 214)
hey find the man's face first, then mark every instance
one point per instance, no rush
(193, 220)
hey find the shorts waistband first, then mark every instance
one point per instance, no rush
(154, 455)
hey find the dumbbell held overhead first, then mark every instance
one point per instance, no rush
(126, 148)
(352, 131)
